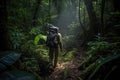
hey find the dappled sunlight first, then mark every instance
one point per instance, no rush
(57, 71)
(65, 70)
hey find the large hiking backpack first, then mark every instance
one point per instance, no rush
(53, 37)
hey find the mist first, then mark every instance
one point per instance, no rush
(68, 23)
(67, 18)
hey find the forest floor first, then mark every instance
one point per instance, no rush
(67, 70)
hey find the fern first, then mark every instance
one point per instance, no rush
(102, 61)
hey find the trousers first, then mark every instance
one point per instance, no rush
(53, 56)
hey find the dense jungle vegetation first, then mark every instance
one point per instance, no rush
(90, 34)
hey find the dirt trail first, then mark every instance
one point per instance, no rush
(67, 70)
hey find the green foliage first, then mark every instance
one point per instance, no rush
(87, 62)
(74, 28)
(42, 53)
(30, 64)
(31, 50)
(71, 36)
(97, 46)
(68, 55)
(28, 47)
(65, 72)
(28, 38)
(88, 70)
(35, 30)
(68, 42)
(33, 56)
(100, 53)
(117, 12)
(40, 38)
(17, 37)
(94, 67)
(101, 63)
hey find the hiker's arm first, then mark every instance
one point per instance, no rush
(60, 42)
(61, 46)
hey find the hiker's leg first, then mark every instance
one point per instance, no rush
(56, 57)
(51, 51)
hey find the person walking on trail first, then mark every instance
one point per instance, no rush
(54, 42)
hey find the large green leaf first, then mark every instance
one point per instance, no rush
(39, 37)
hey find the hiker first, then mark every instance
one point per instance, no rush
(54, 43)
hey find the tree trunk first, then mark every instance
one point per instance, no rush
(5, 43)
(38, 2)
(102, 16)
(116, 4)
(58, 5)
(82, 26)
(92, 17)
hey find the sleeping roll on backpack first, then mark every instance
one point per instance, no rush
(53, 37)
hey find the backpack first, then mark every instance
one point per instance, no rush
(53, 37)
